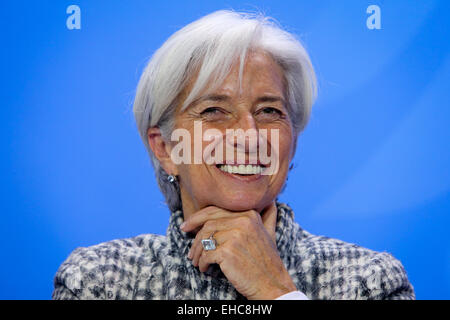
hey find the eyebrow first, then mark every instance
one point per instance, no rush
(270, 98)
(211, 97)
(224, 98)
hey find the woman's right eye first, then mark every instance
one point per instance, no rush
(210, 110)
(213, 113)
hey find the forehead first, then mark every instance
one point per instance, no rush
(260, 74)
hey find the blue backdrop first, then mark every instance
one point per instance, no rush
(371, 168)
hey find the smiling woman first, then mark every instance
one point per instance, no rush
(242, 109)
(236, 78)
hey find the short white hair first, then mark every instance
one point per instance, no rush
(208, 48)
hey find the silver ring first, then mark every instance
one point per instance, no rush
(210, 243)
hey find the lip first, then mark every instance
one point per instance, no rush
(242, 178)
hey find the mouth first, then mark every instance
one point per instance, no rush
(242, 172)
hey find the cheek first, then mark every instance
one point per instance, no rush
(285, 144)
(190, 172)
(286, 148)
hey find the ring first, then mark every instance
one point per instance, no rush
(210, 243)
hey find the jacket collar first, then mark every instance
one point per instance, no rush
(184, 281)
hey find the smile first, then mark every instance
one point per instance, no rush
(241, 169)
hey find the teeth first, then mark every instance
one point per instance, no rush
(241, 169)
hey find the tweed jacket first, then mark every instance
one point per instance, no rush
(156, 267)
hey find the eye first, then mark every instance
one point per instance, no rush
(270, 110)
(269, 114)
(213, 113)
(210, 111)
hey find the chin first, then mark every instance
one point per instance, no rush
(241, 203)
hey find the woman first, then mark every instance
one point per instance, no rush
(219, 107)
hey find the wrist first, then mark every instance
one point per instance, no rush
(290, 287)
(275, 291)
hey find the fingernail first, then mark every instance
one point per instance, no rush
(189, 254)
(183, 225)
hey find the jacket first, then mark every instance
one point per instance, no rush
(153, 266)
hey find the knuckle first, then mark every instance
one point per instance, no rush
(237, 240)
(209, 226)
(247, 223)
(203, 258)
(244, 221)
(198, 238)
(238, 236)
(253, 215)
(226, 253)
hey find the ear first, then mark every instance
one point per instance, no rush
(161, 149)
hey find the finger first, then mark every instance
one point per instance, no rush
(247, 221)
(205, 232)
(205, 214)
(208, 228)
(220, 238)
(269, 219)
(209, 257)
(197, 246)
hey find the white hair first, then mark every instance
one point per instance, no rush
(208, 48)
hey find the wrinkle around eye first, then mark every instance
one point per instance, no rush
(214, 113)
(211, 110)
(270, 113)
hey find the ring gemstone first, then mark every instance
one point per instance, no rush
(209, 244)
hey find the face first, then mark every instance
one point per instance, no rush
(259, 105)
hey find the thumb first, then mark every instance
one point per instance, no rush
(269, 220)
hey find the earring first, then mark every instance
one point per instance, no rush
(171, 178)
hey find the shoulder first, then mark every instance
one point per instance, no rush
(89, 271)
(343, 270)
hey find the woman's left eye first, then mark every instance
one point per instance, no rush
(271, 110)
(269, 113)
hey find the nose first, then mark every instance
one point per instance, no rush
(246, 122)
(245, 134)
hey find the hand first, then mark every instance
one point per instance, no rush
(246, 250)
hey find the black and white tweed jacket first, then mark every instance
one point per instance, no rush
(156, 267)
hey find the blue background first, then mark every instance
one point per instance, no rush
(371, 168)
